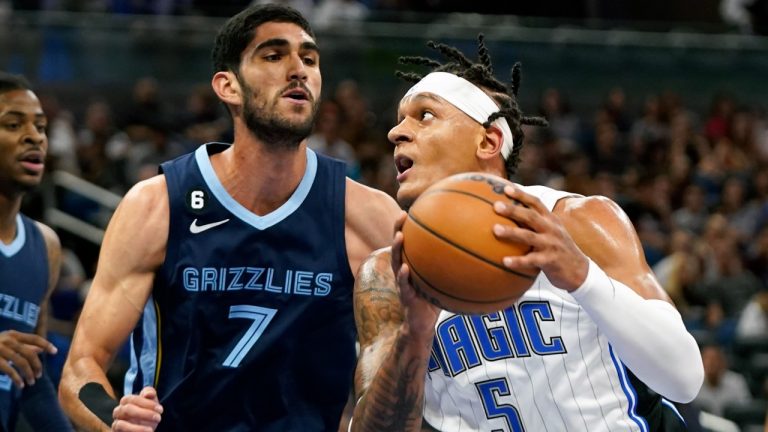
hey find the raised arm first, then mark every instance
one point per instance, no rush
(396, 329)
(133, 248)
(588, 247)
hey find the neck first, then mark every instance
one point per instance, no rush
(258, 177)
(9, 208)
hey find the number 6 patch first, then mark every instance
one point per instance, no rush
(196, 200)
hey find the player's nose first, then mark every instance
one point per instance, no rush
(400, 133)
(297, 70)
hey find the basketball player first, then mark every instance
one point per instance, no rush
(593, 345)
(235, 267)
(30, 256)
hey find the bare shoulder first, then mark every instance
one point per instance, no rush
(598, 226)
(140, 223)
(603, 232)
(49, 235)
(365, 202)
(149, 194)
(370, 215)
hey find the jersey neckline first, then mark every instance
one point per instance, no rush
(15, 246)
(259, 222)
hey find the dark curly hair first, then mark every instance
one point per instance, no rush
(481, 75)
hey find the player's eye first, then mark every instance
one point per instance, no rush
(310, 61)
(12, 126)
(272, 57)
(427, 115)
(41, 128)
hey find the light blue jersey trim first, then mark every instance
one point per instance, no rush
(147, 360)
(17, 243)
(258, 222)
(629, 391)
(672, 406)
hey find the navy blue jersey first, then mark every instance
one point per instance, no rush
(250, 324)
(23, 284)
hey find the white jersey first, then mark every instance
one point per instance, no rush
(539, 365)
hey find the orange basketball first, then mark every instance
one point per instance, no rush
(449, 245)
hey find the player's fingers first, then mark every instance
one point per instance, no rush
(521, 215)
(9, 370)
(397, 252)
(514, 234)
(151, 394)
(400, 221)
(136, 414)
(140, 402)
(39, 342)
(125, 426)
(530, 260)
(528, 200)
(22, 364)
(31, 358)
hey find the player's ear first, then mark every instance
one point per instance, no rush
(227, 87)
(490, 146)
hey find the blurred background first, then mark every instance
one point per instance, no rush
(657, 104)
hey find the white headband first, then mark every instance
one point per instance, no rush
(468, 98)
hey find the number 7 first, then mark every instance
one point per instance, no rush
(261, 318)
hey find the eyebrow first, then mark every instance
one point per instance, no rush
(279, 42)
(38, 115)
(418, 97)
(429, 96)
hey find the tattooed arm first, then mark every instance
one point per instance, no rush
(396, 329)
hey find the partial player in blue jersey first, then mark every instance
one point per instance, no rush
(232, 271)
(594, 345)
(29, 265)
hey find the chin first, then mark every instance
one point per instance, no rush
(406, 196)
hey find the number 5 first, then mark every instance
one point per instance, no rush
(489, 390)
(261, 318)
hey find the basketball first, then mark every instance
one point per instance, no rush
(449, 246)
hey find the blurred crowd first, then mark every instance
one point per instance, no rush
(693, 182)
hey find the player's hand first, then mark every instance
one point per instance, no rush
(19, 356)
(138, 413)
(553, 251)
(420, 314)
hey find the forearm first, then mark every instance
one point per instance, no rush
(648, 336)
(75, 375)
(394, 400)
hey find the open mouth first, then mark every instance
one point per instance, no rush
(403, 163)
(296, 94)
(33, 161)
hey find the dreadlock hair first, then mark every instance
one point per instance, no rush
(481, 75)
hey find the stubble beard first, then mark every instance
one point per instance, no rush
(274, 130)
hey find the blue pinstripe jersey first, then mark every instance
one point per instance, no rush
(23, 283)
(250, 324)
(541, 364)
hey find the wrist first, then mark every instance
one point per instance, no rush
(416, 341)
(592, 276)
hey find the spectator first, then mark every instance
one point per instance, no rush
(327, 139)
(721, 385)
(754, 319)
